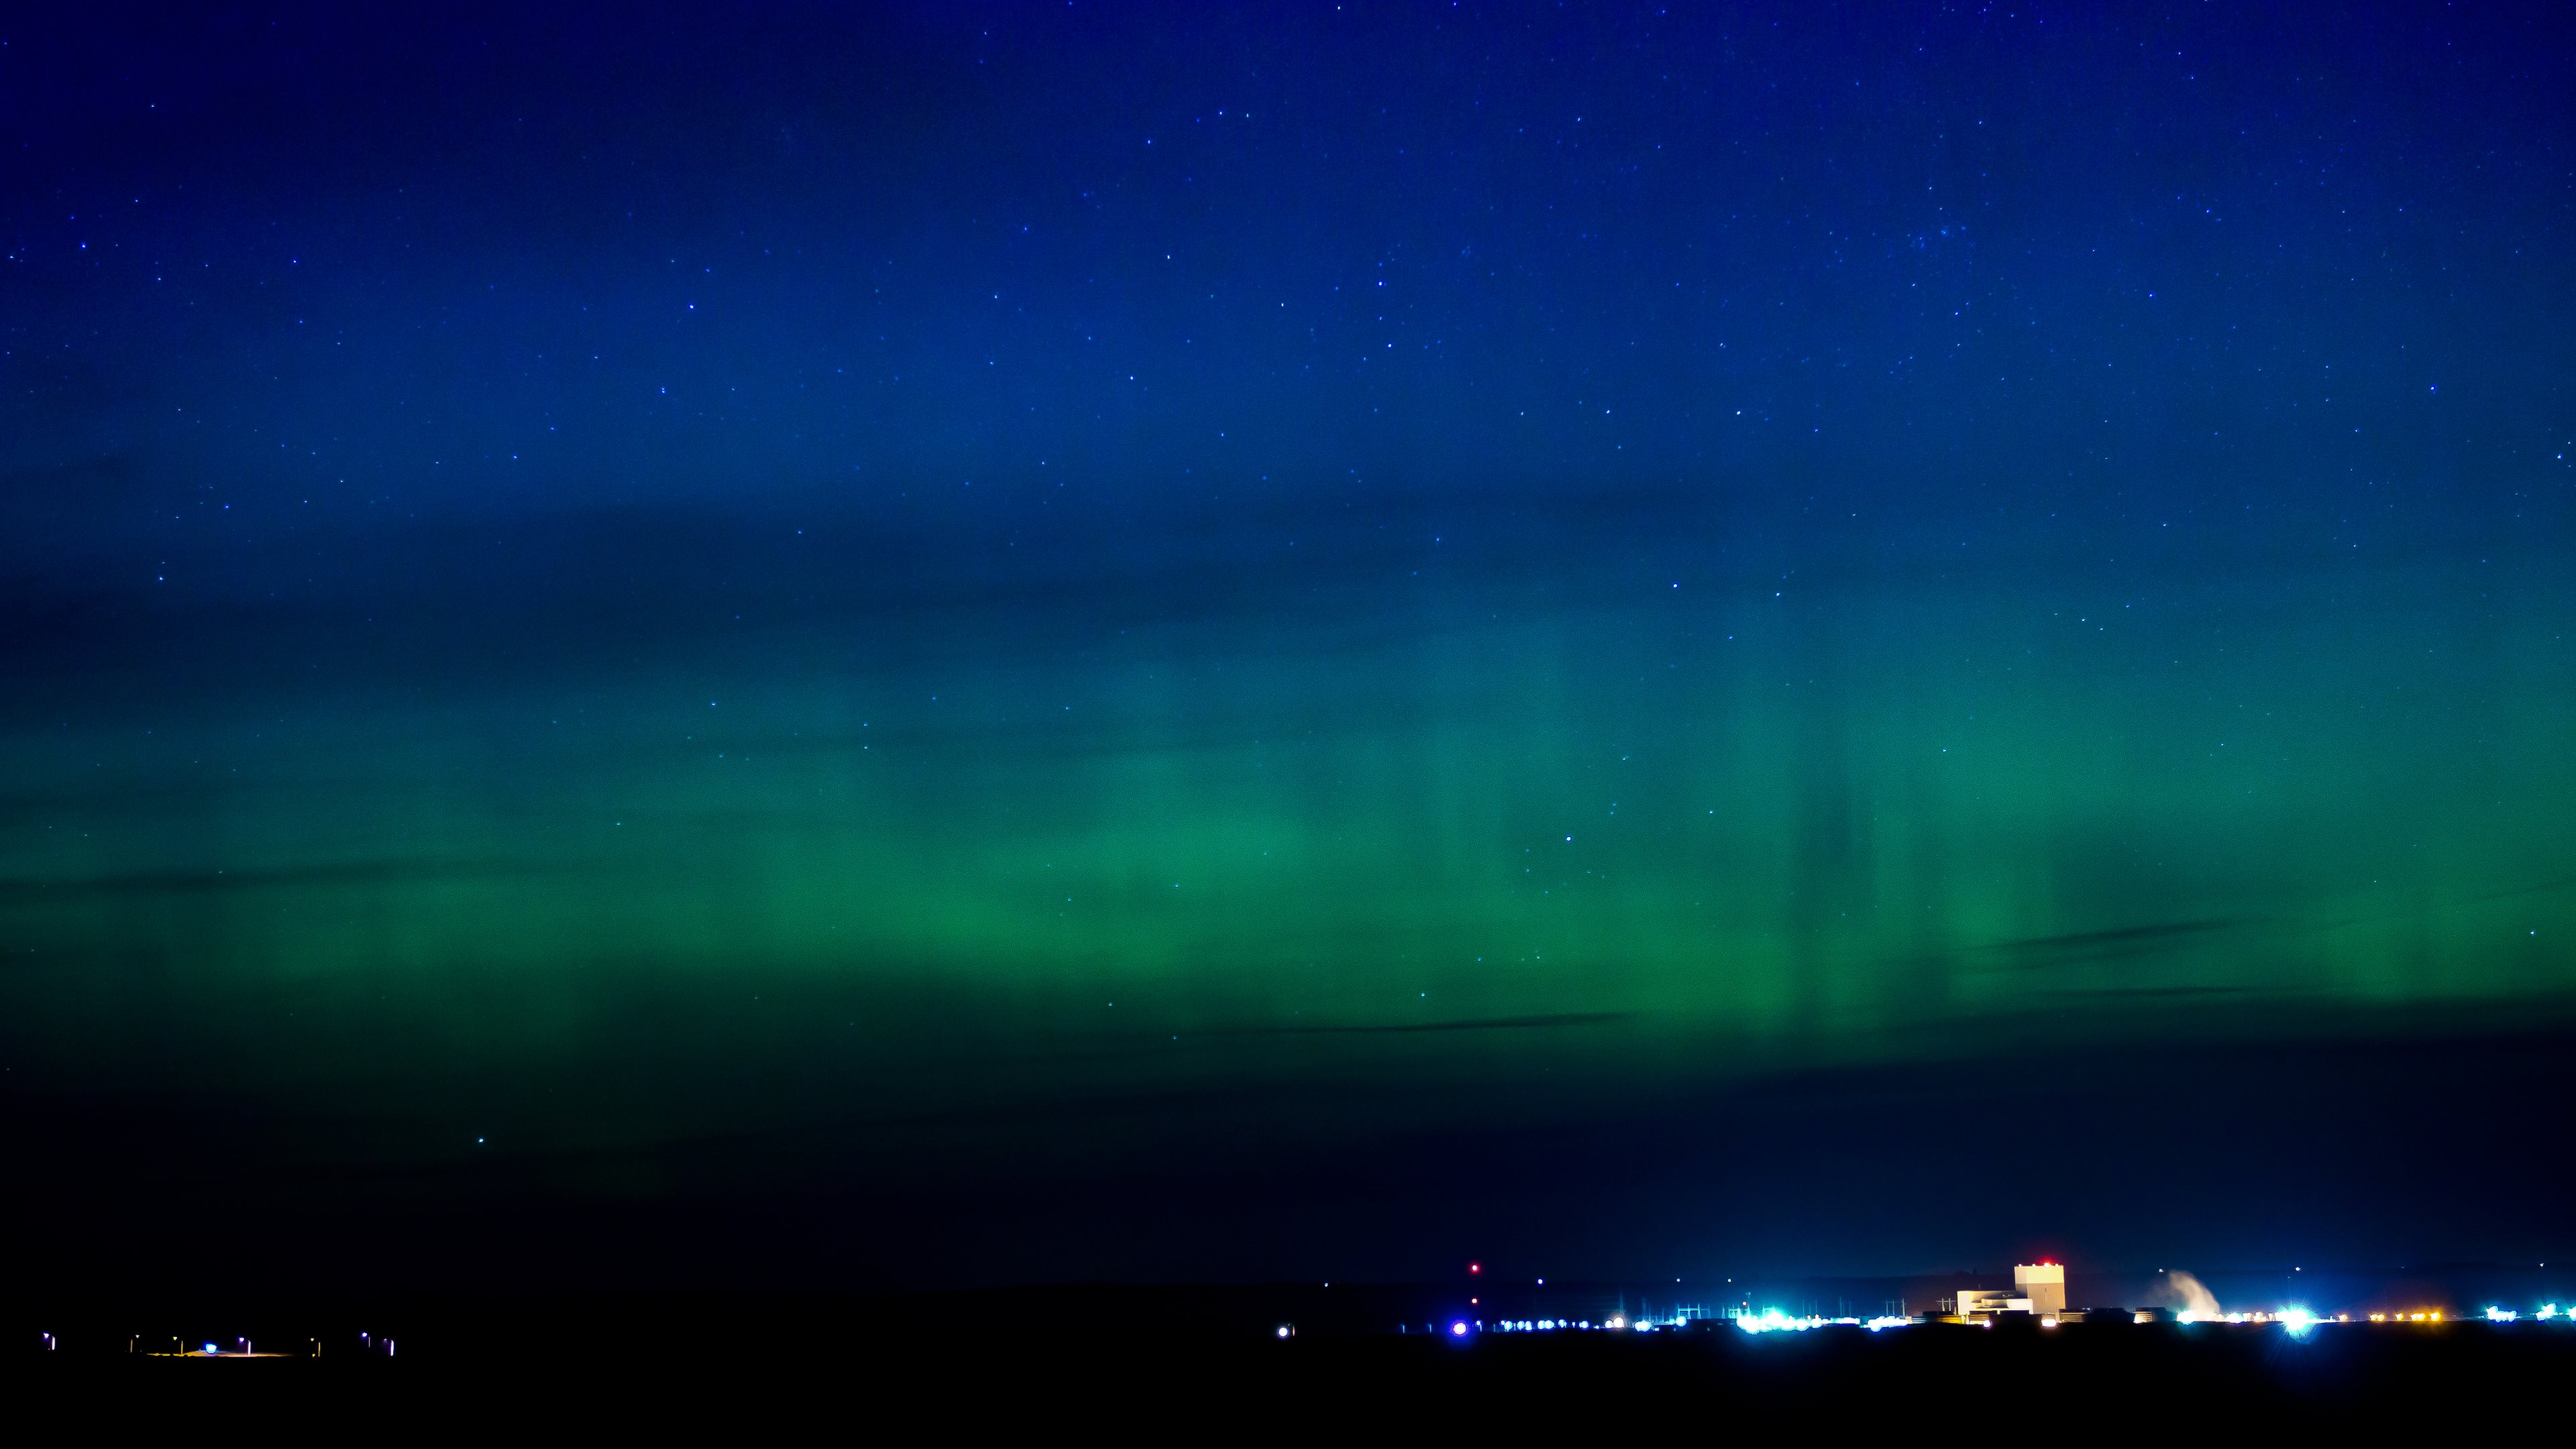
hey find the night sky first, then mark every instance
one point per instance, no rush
(843, 646)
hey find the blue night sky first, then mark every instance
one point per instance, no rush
(855, 645)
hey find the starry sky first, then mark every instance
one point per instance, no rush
(916, 644)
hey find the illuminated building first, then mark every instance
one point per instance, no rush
(2037, 1288)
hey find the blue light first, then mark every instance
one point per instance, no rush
(1459, 1328)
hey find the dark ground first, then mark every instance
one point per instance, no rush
(1208, 1364)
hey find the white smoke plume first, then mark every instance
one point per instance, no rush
(2190, 1297)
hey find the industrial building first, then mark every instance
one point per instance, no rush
(2037, 1288)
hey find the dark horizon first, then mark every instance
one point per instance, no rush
(916, 646)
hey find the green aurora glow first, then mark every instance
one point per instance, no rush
(1855, 823)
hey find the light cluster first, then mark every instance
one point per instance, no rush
(1772, 1320)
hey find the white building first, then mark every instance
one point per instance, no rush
(2037, 1288)
(1987, 1302)
(2044, 1284)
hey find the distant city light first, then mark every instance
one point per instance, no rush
(2501, 1315)
(1772, 1320)
(1459, 1328)
(2298, 1321)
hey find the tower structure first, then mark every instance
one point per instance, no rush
(2044, 1284)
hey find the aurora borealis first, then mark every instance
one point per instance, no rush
(968, 603)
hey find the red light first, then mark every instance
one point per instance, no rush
(1475, 1267)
